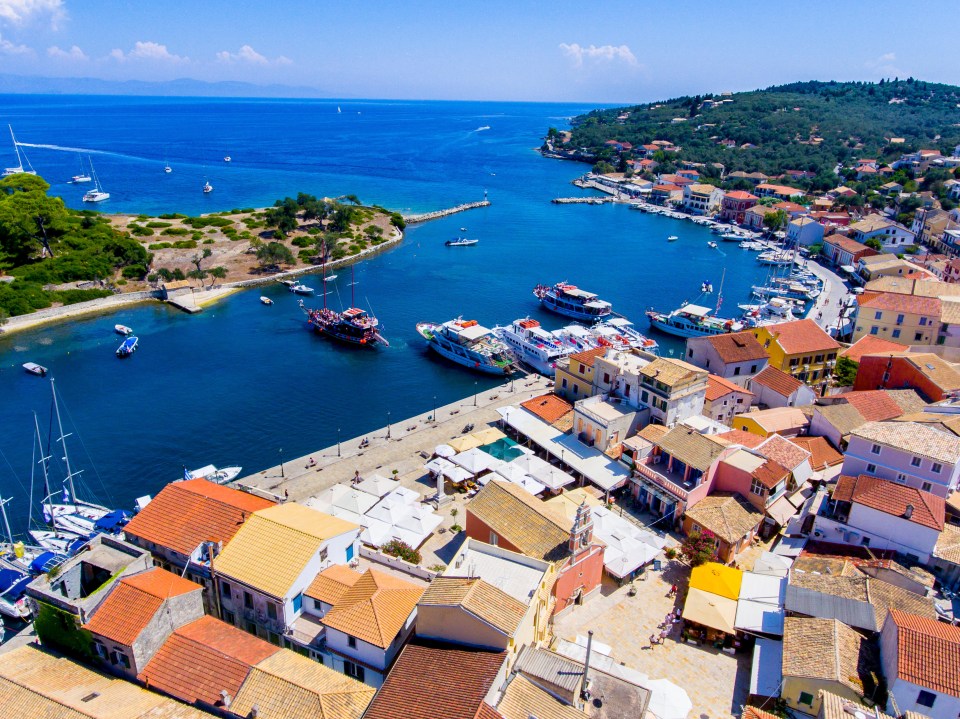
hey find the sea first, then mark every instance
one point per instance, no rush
(247, 384)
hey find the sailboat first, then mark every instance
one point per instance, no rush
(96, 194)
(20, 158)
(338, 109)
(353, 325)
(83, 176)
(207, 188)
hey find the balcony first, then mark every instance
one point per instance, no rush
(672, 482)
(260, 618)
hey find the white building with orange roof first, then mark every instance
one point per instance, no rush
(724, 399)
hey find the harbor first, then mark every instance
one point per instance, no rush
(438, 214)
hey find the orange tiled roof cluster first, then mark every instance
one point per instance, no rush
(893, 499)
(868, 345)
(822, 455)
(737, 347)
(548, 407)
(803, 336)
(588, 356)
(718, 387)
(375, 608)
(928, 652)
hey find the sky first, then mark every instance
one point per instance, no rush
(603, 52)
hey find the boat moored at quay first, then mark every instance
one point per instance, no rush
(353, 326)
(692, 321)
(469, 344)
(570, 301)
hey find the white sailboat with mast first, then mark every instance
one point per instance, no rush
(21, 156)
(96, 194)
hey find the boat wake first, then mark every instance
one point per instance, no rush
(84, 150)
(479, 129)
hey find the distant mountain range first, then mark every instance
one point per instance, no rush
(27, 85)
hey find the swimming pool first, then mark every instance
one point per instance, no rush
(504, 448)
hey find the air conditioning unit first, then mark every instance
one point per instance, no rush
(842, 518)
(817, 533)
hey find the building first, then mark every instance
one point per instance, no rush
(733, 521)
(574, 374)
(868, 345)
(188, 519)
(265, 569)
(929, 225)
(673, 390)
(908, 319)
(138, 614)
(908, 453)
(781, 192)
(921, 662)
(804, 232)
(506, 515)
(799, 348)
(356, 623)
(933, 378)
(723, 399)
(845, 252)
(824, 655)
(754, 217)
(761, 481)
(836, 417)
(892, 235)
(734, 356)
(734, 205)
(604, 423)
(773, 388)
(876, 513)
(786, 421)
(700, 199)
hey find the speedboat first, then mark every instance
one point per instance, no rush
(13, 592)
(460, 242)
(469, 344)
(672, 238)
(122, 330)
(127, 347)
(300, 289)
(569, 300)
(34, 368)
(328, 278)
(167, 168)
(207, 188)
(82, 177)
(711, 244)
(212, 474)
(266, 300)
(227, 158)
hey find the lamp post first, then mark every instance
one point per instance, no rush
(475, 390)
(338, 441)
(281, 462)
(388, 425)
(434, 408)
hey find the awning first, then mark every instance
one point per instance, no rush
(759, 617)
(462, 444)
(718, 579)
(711, 610)
(766, 673)
(488, 435)
(848, 268)
(781, 511)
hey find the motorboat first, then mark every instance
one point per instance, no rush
(227, 158)
(329, 278)
(34, 368)
(122, 330)
(300, 289)
(469, 344)
(711, 244)
(460, 242)
(207, 188)
(127, 347)
(167, 168)
(212, 474)
(672, 238)
(570, 301)
(265, 300)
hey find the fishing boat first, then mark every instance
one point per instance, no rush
(265, 300)
(122, 330)
(353, 325)
(469, 344)
(568, 300)
(82, 177)
(127, 347)
(21, 156)
(207, 188)
(96, 194)
(212, 474)
(34, 368)
(672, 238)
(533, 345)
(460, 242)
(299, 289)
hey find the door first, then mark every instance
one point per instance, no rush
(349, 552)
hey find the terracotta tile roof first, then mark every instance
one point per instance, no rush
(421, 685)
(948, 545)
(203, 658)
(726, 515)
(332, 583)
(738, 436)
(907, 304)
(274, 546)
(823, 455)
(928, 652)
(487, 712)
(907, 399)
(671, 371)
(893, 499)
(940, 373)
(780, 382)
(750, 712)
(829, 650)
(802, 336)
(291, 686)
(836, 707)
(523, 699)
(783, 451)
(846, 244)
(920, 439)
(873, 405)
(134, 601)
(690, 447)
(588, 356)
(868, 345)
(481, 599)
(770, 473)
(186, 513)
(841, 416)
(375, 608)
(741, 195)
(718, 387)
(737, 347)
(653, 432)
(548, 407)
(522, 520)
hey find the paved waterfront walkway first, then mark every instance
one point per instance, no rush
(829, 305)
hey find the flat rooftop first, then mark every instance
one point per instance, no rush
(499, 568)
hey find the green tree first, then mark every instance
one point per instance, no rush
(218, 273)
(603, 168)
(274, 254)
(845, 372)
(29, 219)
(874, 243)
(698, 547)
(775, 221)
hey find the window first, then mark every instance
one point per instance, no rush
(901, 478)
(707, 366)
(644, 397)
(753, 369)
(915, 462)
(581, 368)
(352, 642)
(806, 698)
(626, 390)
(120, 658)
(818, 359)
(251, 628)
(900, 320)
(878, 315)
(895, 334)
(606, 378)
(926, 486)
(353, 670)
(689, 353)
(875, 449)
(229, 618)
(926, 699)
(865, 541)
(873, 330)
(918, 337)
(871, 468)
(272, 610)
(225, 588)
(248, 600)
(298, 602)
(936, 468)
(564, 383)
(494, 539)
(736, 371)
(323, 554)
(756, 487)
(576, 388)
(923, 321)
(100, 649)
(794, 362)
(273, 638)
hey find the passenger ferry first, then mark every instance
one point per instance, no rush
(573, 302)
(692, 321)
(536, 346)
(469, 344)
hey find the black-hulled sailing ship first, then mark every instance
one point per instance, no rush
(353, 325)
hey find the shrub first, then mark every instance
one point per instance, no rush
(396, 548)
(208, 241)
(160, 246)
(158, 224)
(670, 553)
(139, 231)
(134, 272)
(456, 528)
(698, 547)
(175, 231)
(172, 216)
(185, 244)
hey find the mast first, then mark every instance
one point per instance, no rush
(323, 284)
(6, 522)
(46, 480)
(16, 149)
(63, 443)
(720, 293)
(353, 288)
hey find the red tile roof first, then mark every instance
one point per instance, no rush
(203, 658)
(134, 601)
(928, 652)
(782, 450)
(431, 680)
(847, 244)
(187, 513)
(893, 499)
(375, 608)
(874, 405)
(718, 387)
(741, 195)
(737, 347)
(548, 407)
(803, 336)
(770, 473)
(823, 455)
(588, 356)
(907, 304)
(869, 345)
(738, 436)
(777, 380)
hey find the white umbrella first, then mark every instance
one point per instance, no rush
(552, 477)
(667, 700)
(476, 461)
(457, 474)
(438, 466)
(377, 485)
(444, 450)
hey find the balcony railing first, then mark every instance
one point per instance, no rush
(661, 481)
(258, 617)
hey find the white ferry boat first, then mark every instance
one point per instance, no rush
(534, 345)
(692, 321)
(469, 344)
(569, 300)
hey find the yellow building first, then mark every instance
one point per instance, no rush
(574, 378)
(906, 319)
(799, 348)
(786, 421)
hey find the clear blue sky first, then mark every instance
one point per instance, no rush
(500, 50)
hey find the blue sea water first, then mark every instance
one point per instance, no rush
(241, 382)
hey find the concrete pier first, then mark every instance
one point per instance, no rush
(404, 445)
(437, 214)
(581, 200)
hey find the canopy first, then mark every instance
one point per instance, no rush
(759, 617)
(667, 700)
(552, 477)
(781, 511)
(770, 563)
(717, 579)
(487, 435)
(377, 484)
(112, 521)
(462, 444)
(476, 461)
(444, 450)
(710, 610)
(625, 554)
(438, 466)
(457, 474)
(45, 561)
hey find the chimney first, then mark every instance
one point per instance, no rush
(586, 666)
(908, 512)
(225, 699)
(254, 711)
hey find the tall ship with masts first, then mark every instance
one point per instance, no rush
(353, 325)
